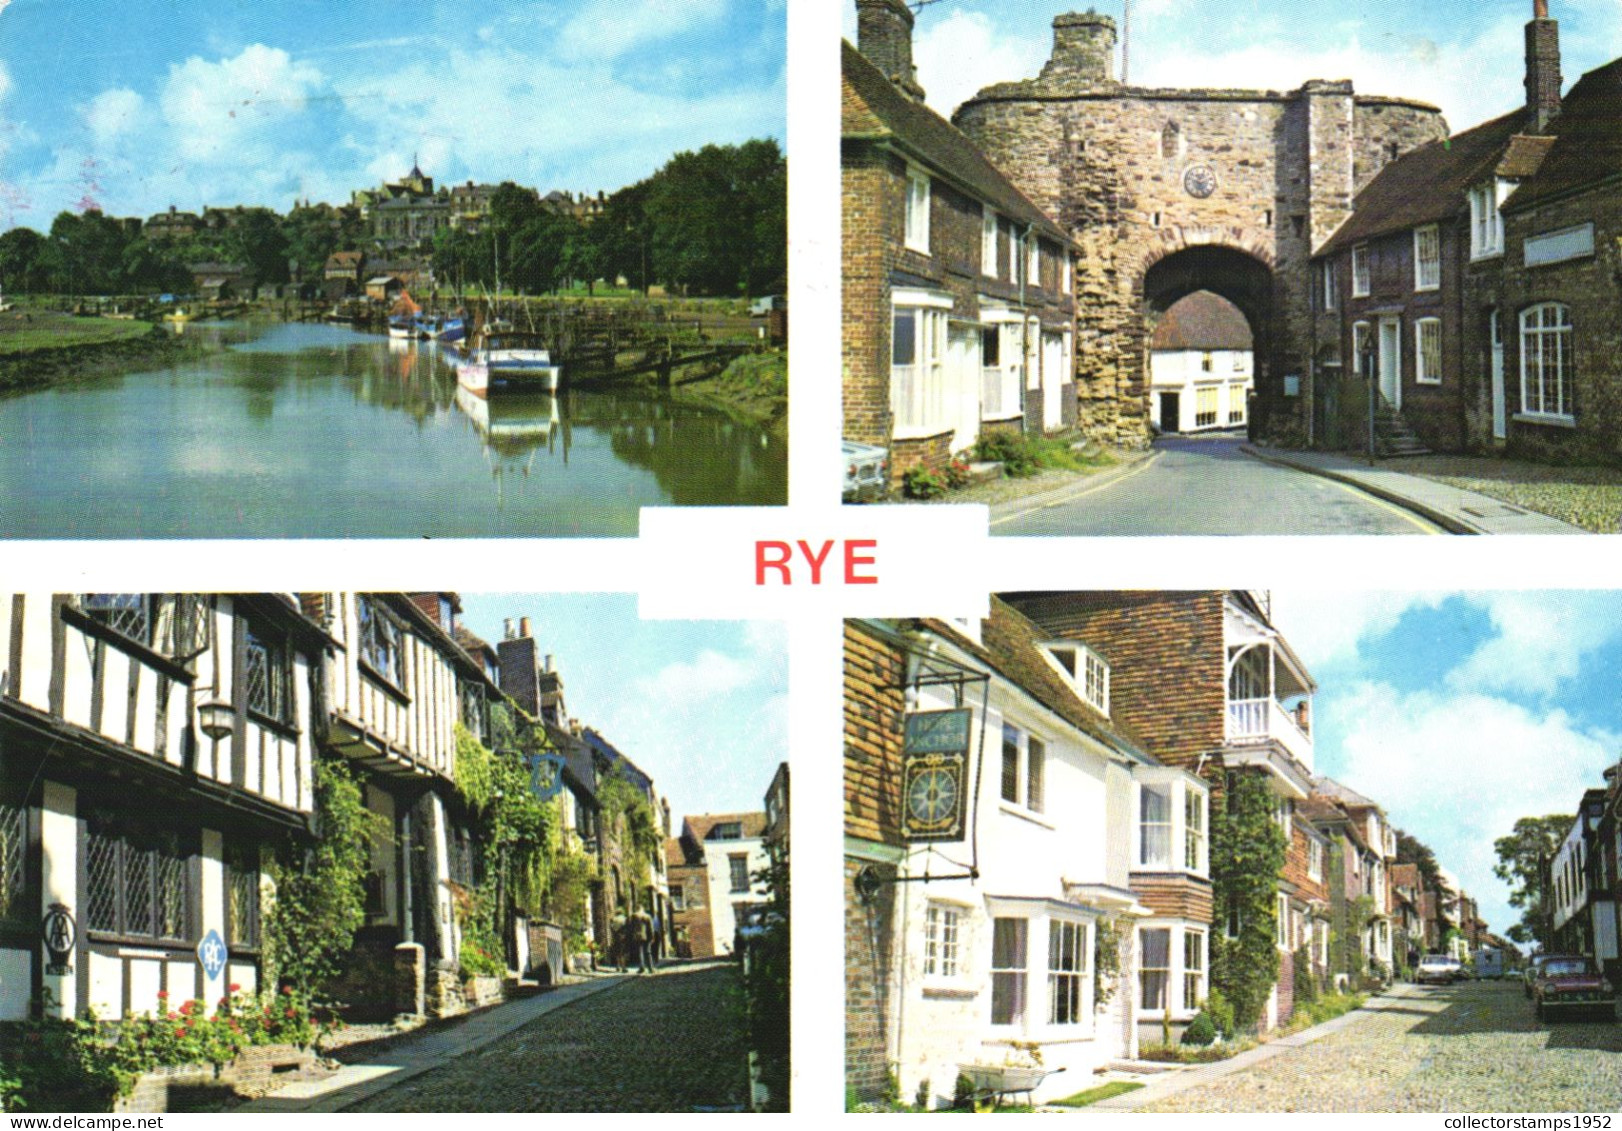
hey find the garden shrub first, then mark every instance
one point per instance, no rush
(1201, 1031)
(921, 483)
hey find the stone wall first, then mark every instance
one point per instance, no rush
(1111, 163)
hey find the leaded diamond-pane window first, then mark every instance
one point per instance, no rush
(242, 904)
(267, 677)
(381, 644)
(171, 896)
(128, 614)
(138, 917)
(474, 708)
(138, 888)
(13, 848)
(101, 908)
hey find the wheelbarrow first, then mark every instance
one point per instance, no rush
(990, 1083)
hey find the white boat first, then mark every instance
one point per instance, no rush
(508, 362)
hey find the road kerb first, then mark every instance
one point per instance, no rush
(1451, 523)
(1015, 509)
(1172, 1083)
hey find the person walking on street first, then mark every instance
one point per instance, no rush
(643, 926)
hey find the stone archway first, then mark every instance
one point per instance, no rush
(1234, 268)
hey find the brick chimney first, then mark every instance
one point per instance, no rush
(1543, 81)
(1083, 49)
(520, 673)
(884, 35)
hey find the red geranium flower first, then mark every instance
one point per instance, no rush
(188, 1008)
(163, 993)
(289, 1013)
(233, 987)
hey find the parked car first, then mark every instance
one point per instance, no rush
(1530, 973)
(1572, 984)
(1441, 969)
(867, 471)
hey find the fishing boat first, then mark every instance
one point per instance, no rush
(512, 361)
(452, 330)
(403, 317)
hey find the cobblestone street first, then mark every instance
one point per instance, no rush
(673, 1042)
(1472, 1047)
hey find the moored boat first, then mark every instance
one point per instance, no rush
(509, 361)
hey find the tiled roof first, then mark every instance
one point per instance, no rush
(751, 825)
(874, 109)
(1587, 140)
(1429, 184)
(1012, 644)
(1347, 796)
(1203, 321)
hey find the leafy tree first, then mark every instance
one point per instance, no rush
(21, 267)
(86, 254)
(257, 240)
(717, 218)
(1523, 859)
(536, 253)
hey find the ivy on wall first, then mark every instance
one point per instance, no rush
(320, 894)
(1247, 855)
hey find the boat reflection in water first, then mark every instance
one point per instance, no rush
(515, 427)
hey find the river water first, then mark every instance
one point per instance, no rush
(316, 431)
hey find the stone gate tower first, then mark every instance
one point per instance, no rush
(1173, 191)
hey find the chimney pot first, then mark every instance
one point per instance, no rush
(523, 627)
(548, 667)
(507, 629)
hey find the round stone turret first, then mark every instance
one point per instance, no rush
(1083, 48)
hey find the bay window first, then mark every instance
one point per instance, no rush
(1068, 975)
(1173, 822)
(1008, 968)
(1193, 968)
(1154, 968)
(1155, 826)
(917, 368)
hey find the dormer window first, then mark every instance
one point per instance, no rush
(1085, 671)
(1172, 822)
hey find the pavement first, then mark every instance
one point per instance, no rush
(1162, 1084)
(413, 1056)
(1452, 508)
(1206, 486)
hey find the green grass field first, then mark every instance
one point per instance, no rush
(49, 331)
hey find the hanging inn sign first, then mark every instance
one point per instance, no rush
(934, 775)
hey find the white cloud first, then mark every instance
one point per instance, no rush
(113, 113)
(1540, 640)
(1326, 629)
(965, 52)
(215, 109)
(1457, 770)
(686, 682)
(607, 29)
(1448, 74)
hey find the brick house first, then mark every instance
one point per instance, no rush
(1209, 686)
(971, 929)
(958, 291)
(342, 274)
(1547, 317)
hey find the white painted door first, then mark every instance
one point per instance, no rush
(963, 386)
(1500, 416)
(1053, 374)
(1391, 360)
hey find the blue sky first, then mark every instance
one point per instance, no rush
(1461, 712)
(702, 706)
(1466, 56)
(194, 102)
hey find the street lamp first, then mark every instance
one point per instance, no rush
(216, 719)
(1368, 372)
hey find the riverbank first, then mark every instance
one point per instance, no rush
(752, 388)
(39, 349)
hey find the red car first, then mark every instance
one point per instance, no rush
(1570, 983)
